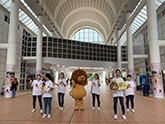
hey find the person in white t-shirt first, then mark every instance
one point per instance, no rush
(61, 90)
(130, 92)
(36, 84)
(95, 90)
(119, 94)
(47, 95)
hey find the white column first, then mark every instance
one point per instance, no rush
(129, 47)
(12, 46)
(118, 51)
(104, 77)
(154, 49)
(39, 49)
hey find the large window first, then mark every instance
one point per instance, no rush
(88, 35)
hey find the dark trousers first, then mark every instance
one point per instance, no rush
(131, 98)
(61, 99)
(47, 101)
(34, 101)
(115, 99)
(98, 99)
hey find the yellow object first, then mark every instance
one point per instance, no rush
(37, 85)
(79, 80)
(61, 84)
(94, 84)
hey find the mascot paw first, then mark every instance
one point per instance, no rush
(82, 109)
(76, 108)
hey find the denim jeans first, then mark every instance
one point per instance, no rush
(61, 99)
(130, 97)
(115, 99)
(13, 92)
(47, 101)
(98, 99)
(34, 101)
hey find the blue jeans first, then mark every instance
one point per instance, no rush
(61, 99)
(115, 99)
(47, 101)
(130, 97)
(34, 101)
(13, 92)
(98, 99)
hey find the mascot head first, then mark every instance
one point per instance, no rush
(79, 76)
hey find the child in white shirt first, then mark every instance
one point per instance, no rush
(130, 92)
(47, 95)
(95, 90)
(61, 90)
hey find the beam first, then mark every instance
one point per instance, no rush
(161, 43)
(3, 46)
(140, 56)
(38, 24)
(30, 58)
(124, 62)
(140, 7)
(131, 19)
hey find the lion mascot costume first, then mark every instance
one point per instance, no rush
(79, 80)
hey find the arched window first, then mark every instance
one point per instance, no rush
(88, 35)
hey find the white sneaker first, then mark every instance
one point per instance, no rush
(133, 110)
(93, 108)
(124, 117)
(62, 108)
(49, 115)
(98, 109)
(33, 110)
(115, 117)
(44, 116)
(41, 111)
(59, 108)
(127, 110)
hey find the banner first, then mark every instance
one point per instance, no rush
(115, 86)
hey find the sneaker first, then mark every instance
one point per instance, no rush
(62, 108)
(41, 111)
(133, 110)
(124, 117)
(93, 108)
(44, 116)
(127, 110)
(98, 109)
(49, 115)
(115, 117)
(33, 110)
(59, 108)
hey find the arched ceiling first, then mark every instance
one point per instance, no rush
(68, 13)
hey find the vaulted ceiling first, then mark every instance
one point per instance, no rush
(102, 15)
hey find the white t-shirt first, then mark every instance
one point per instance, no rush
(96, 88)
(36, 88)
(119, 93)
(48, 86)
(61, 87)
(130, 90)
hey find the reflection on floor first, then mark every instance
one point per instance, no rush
(18, 110)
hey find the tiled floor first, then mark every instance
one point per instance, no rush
(18, 111)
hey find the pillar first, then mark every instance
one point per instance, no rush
(12, 47)
(39, 49)
(104, 77)
(129, 47)
(154, 49)
(118, 50)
